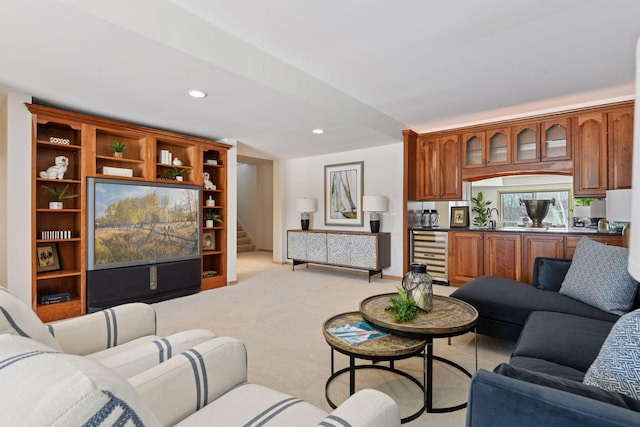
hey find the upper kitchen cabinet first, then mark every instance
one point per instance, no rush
(620, 147)
(526, 139)
(488, 148)
(590, 155)
(498, 146)
(556, 140)
(438, 168)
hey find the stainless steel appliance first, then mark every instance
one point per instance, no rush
(430, 247)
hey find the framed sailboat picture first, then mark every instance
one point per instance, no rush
(343, 187)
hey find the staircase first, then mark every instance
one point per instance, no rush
(244, 242)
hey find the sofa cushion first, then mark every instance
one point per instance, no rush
(598, 276)
(549, 273)
(58, 389)
(617, 367)
(17, 318)
(545, 367)
(570, 386)
(556, 336)
(512, 301)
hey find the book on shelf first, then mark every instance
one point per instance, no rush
(55, 298)
(357, 332)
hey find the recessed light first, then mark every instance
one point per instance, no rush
(318, 131)
(197, 93)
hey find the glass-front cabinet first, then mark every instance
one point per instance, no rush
(473, 144)
(556, 140)
(498, 151)
(527, 143)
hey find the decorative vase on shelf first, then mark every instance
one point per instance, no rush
(208, 223)
(179, 178)
(56, 205)
(419, 286)
(177, 161)
(117, 154)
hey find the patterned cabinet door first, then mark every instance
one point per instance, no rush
(338, 249)
(297, 245)
(316, 247)
(364, 251)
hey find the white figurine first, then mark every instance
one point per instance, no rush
(58, 170)
(208, 185)
(177, 161)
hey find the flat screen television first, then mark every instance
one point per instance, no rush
(131, 223)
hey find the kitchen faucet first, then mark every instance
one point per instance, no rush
(491, 223)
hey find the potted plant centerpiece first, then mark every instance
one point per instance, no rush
(210, 217)
(58, 196)
(176, 173)
(118, 148)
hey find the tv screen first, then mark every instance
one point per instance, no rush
(135, 222)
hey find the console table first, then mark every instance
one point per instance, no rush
(348, 249)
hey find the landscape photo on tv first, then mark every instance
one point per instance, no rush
(134, 223)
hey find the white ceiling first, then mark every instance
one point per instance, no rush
(363, 70)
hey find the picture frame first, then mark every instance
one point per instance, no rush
(343, 190)
(47, 258)
(209, 241)
(459, 217)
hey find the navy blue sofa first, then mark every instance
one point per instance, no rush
(558, 338)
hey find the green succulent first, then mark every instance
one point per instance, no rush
(59, 196)
(118, 147)
(480, 207)
(404, 308)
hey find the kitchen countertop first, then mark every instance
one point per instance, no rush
(512, 229)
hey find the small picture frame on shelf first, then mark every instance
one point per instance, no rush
(209, 241)
(459, 217)
(47, 258)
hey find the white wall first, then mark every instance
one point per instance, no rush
(15, 211)
(255, 202)
(383, 169)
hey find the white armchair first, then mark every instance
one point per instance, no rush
(203, 386)
(122, 338)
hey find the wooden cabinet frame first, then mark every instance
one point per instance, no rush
(89, 151)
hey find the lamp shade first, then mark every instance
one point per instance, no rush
(582, 212)
(619, 205)
(305, 205)
(374, 203)
(598, 208)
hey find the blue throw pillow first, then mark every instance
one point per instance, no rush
(598, 276)
(617, 367)
(550, 273)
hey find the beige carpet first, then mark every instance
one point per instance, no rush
(278, 313)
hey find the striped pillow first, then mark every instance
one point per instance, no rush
(17, 318)
(58, 389)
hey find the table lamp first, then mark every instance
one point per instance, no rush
(374, 205)
(619, 211)
(305, 205)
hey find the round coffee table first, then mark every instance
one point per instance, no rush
(389, 348)
(450, 317)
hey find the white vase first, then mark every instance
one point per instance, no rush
(179, 178)
(208, 223)
(55, 205)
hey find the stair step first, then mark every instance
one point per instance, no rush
(246, 248)
(244, 241)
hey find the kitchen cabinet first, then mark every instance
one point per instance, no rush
(620, 148)
(556, 140)
(438, 168)
(487, 148)
(539, 245)
(526, 140)
(466, 256)
(502, 253)
(590, 160)
(571, 242)
(510, 255)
